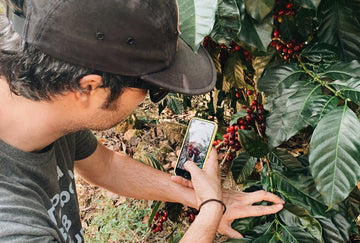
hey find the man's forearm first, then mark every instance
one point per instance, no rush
(206, 222)
(134, 179)
(127, 177)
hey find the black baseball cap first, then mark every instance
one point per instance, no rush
(137, 38)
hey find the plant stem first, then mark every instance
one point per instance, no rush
(226, 155)
(269, 174)
(219, 145)
(279, 40)
(257, 129)
(317, 79)
(282, 226)
(267, 230)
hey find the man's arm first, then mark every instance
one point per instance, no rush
(206, 223)
(127, 177)
(207, 186)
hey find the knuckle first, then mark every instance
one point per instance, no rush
(261, 193)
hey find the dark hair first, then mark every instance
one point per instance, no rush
(37, 76)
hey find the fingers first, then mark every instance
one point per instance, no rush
(262, 195)
(192, 167)
(182, 181)
(254, 211)
(226, 229)
(212, 164)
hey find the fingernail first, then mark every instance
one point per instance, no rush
(283, 202)
(279, 205)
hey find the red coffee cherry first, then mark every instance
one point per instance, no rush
(276, 33)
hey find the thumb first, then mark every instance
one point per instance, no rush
(191, 167)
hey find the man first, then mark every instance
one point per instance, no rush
(74, 65)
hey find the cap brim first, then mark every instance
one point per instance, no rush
(190, 73)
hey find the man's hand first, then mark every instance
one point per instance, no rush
(206, 183)
(207, 186)
(240, 205)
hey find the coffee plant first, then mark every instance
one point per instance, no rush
(286, 71)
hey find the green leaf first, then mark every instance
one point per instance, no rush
(148, 159)
(274, 122)
(253, 143)
(237, 115)
(343, 70)
(257, 35)
(234, 72)
(293, 215)
(340, 27)
(197, 18)
(304, 19)
(247, 224)
(312, 4)
(186, 101)
(288, 29)
(177, 237)
(228, 20)
(266, 238)
(317, 107)
(293, 234)
(153, 212)
(335, 229)
(349, 88)
(261, 62)
(297, 194)
(353, 203)
(285, 118)
(292, 118)
(297, 188)
(285, 160)
(320, 52)
(242, 167)
(174, 104)
(259, 9)
(215, 54)
(256, 233)
(279, 77)
(355, 5)
(335, 155)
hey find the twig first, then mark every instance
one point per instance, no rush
(226, 155)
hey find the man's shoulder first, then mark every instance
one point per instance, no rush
(23, 215)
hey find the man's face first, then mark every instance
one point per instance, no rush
(102, 119)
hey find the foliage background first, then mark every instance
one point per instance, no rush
(288, 84)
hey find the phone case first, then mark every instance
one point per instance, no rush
(208, 149)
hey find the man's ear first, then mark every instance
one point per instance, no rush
(88, 85)
(90, 82)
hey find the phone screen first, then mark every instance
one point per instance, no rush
(196, 145)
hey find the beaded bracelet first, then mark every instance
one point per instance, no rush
(213, 200)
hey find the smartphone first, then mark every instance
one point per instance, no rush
(196, 146)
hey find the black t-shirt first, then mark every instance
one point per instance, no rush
(38, 200)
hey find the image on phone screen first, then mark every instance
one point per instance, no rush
(196, 145)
